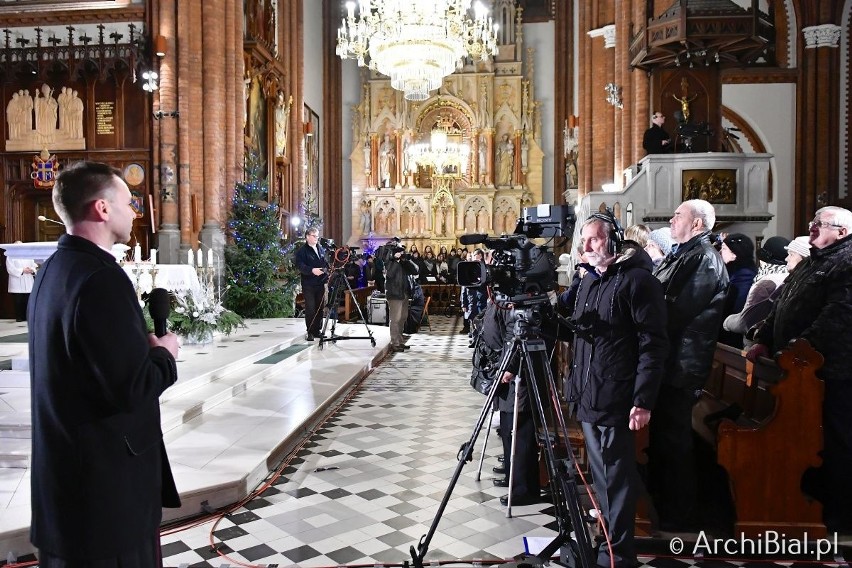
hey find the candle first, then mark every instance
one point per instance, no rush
(137, 253)
(210, 257)
(200, 258)
(153, 256)
(189, 257)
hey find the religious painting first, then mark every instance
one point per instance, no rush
(257, 123)
(282, 125)
(311, 157)
(714, 186)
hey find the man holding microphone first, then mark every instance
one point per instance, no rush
(100, 475)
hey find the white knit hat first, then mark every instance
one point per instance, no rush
(801, 246)
(663, 239)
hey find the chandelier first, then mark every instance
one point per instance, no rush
(416, 42)
(445, 153)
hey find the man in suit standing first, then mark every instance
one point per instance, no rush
(100, 475)
(310, 260)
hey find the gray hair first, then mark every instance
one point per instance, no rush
(839, 216)
(702, 210)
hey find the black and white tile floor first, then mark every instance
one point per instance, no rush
(368, 483)
(366, 486)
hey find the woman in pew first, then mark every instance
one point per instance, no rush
(778, 258)
(738, 253)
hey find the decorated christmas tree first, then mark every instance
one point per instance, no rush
(259, 286)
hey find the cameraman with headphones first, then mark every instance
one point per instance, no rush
(618, 361)
(398, 267)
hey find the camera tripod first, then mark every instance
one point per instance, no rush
(336, 283)
(529, 348)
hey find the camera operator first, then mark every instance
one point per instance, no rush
(398, 267)
(619, 351)
(311, 262)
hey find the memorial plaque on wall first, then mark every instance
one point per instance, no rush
(105, 122)
(105, 119)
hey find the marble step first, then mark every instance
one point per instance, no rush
(15, 453)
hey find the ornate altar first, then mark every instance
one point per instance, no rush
(465, 160)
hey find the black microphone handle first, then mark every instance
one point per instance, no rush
(160, 327)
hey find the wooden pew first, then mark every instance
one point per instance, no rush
(777, 437)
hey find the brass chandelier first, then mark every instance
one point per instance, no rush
(416, 42)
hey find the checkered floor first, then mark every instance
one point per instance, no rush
(367, 485)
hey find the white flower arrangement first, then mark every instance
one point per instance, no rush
(199, 312)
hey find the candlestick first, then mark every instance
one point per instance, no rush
(200, 258)
(210, 258)
(153, 256)
(189, 257)
(137, 253)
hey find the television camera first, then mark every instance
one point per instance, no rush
(521, 271)
(387, 251)
(687, 131)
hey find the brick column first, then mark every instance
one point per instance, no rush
(166, 171)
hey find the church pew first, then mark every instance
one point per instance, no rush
(777, 437)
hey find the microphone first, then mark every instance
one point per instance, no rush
(49, 220)
(159, 306)
(473, 239)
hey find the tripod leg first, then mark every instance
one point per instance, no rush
(360, 313)
(562, 481)
(485, 444)
(512, 456)
(465, 455)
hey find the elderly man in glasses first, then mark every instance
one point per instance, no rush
(816, 304)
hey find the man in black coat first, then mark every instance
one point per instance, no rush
(398, 269)
(310, 260)
(816, 304)
(100, 475)
(618, 361)
(656, 140)
(695, 284)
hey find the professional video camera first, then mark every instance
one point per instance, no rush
(386, 252)
(521, 271)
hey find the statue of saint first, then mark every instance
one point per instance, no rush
(506, 157)
(387, 158)
(366, 221)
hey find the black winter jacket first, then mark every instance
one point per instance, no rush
(397, 272)
(306, 260)
(816, 304)
(619, 354)
(695, 283)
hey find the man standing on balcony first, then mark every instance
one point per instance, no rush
(657, 140)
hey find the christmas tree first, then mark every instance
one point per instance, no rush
(259, 286)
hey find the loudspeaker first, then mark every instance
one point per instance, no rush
(616, 233)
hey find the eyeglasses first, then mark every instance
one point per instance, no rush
(823, 225)
(658, 116)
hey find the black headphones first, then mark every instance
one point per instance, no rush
(616, 233)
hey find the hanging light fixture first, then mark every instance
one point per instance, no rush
(416, 42)
(446, 152)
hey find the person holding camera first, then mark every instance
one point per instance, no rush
(619, 351)
(397, 270)
(311, 262)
